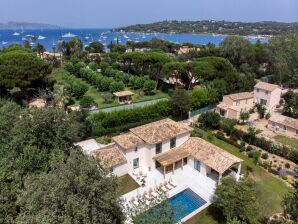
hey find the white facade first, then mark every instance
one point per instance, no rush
(145, 153)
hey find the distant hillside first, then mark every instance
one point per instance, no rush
(213, 26)
(24, 25)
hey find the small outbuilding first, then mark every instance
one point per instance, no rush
(37, 102)
(124, 97)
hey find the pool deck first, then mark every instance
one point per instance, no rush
(183, 178)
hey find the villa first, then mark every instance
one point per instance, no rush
(161, 152)
(284, 125)
(264, 93)
(233, 104)
(267, 94)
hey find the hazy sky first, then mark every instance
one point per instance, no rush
(115, 13)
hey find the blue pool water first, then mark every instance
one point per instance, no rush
(185, 203)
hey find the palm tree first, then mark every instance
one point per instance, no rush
(61, 95)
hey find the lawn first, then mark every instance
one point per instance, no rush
(97, 96)
(287, 141)
(271, 189)
(126, 184)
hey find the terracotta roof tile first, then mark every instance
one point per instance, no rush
(266, 86)
(123, 93)
(209, 154)
(109, 156)
(128, 140)
(284, 120)
(240, 96)
(161, 130)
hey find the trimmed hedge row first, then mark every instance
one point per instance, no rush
(119, 121)
(77, 87)
(267, 145)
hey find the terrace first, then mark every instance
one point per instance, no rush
(182, 178)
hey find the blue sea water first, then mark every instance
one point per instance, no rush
(50, 38)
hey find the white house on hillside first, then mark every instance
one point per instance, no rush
(166, 146)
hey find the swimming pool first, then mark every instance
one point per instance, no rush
(185, 203)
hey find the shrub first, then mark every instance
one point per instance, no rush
(119, 121)
(227, 125)
(265, 156)
(78, 89)
(87, 102)
(285, 177)
(249, 148)
(209, 119)
(266, 164)
(197, 133)
(251, 153)
(149, 86)
(287, 165)
(116, 86)
(210, 136)
(273, 171)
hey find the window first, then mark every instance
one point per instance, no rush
(197, 165)
(136, 163)
(222, 112)
(258, 90)
(237, 103)
(285, 127)
(173, 143)
(263, 102)
(185, 160)
(296, 131)
(267, 92)
(136, 149)
(158, 148)
(245, 101)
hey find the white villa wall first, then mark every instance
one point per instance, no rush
(120, 170)
(272, 98)
(146, 152)
(204, 169)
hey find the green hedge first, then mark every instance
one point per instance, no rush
(119, 121)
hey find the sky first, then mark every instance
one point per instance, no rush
(117, 13)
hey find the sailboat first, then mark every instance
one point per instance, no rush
(16, 34)
(68, 35)
(41, 37)
(4, 43)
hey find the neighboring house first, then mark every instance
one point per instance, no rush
(267, 94)
(165, 146)
(284, 125)
(232, 105)
(187, 49)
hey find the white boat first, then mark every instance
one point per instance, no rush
(4, 43)
(68, 35)
(41, 37)
(125, 36)
(23, 38)
(16, 34)
(29, 35)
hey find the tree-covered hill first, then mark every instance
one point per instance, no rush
(213, 26)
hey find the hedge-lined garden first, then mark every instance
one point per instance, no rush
(120, 121)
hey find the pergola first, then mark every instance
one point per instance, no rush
(170, 158)
(123, 96)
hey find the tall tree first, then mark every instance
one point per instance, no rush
(21, 68)
(95, 47)
(75, 190)
(180, 103)
(237, 200)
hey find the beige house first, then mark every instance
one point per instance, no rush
(166, 146)
(284, 125)
(123, 97)
(37, 102)
(232, 105)
(187, 49)
(267, 94)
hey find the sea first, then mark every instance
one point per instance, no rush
(51, 37)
